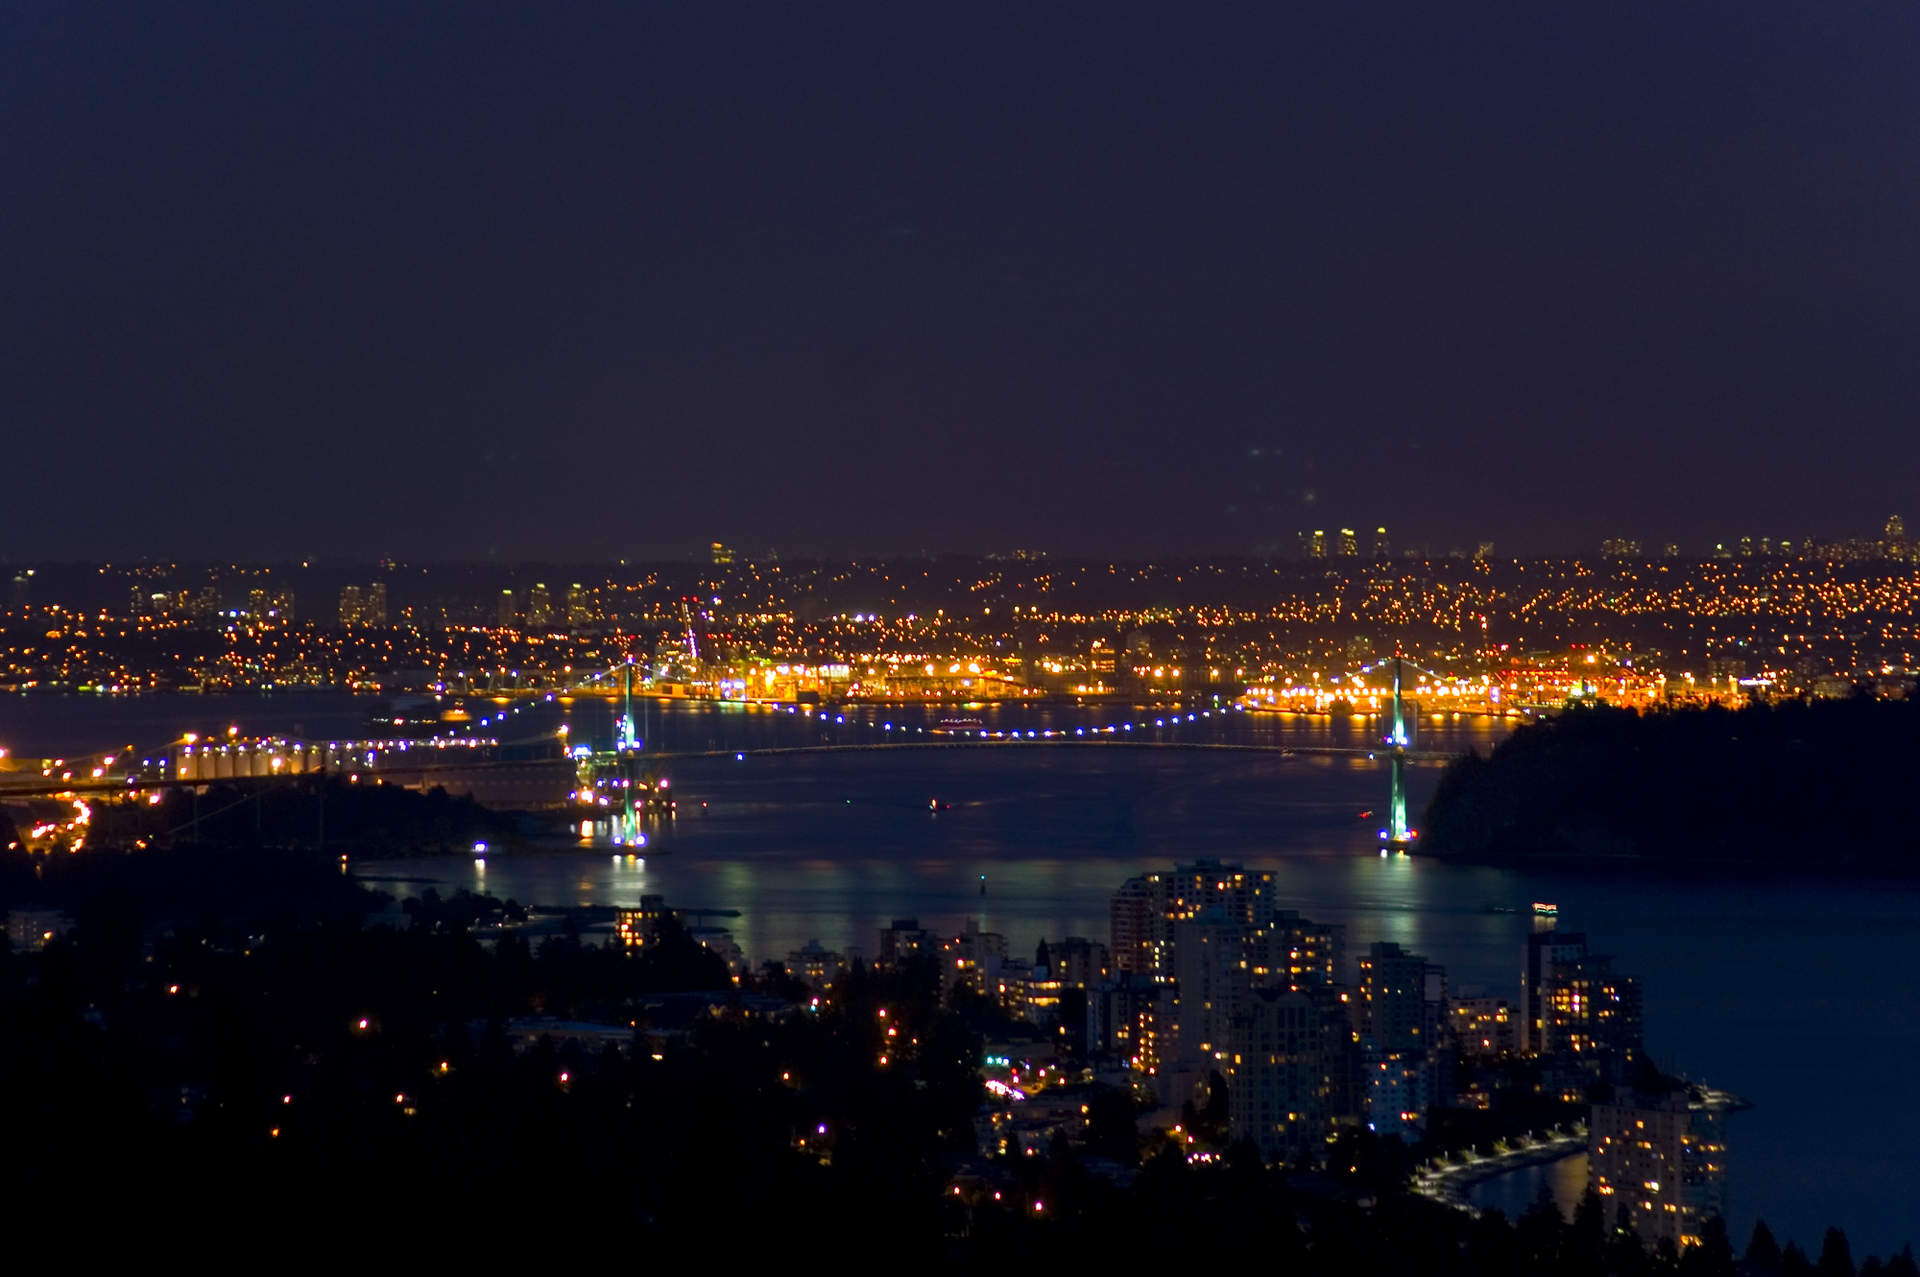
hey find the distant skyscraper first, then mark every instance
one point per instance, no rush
(352, 607)
(722, 555)
(539, 607)
(1897, 546)
(376, 613)
(1382, 549)
(22, 587)
(1317, 545)
(505, 615)
(1349, 543)
(579, 606)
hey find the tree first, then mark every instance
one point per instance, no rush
(1836, 1257)
(1542, 1232)
(1713, 1257)
(1111, 1129)
(1763, 1252)
(1584, 1247)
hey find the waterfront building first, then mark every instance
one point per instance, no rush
(1658, 1162)
(976, 959)
(1576, 1002)
(815, 967)
(638, 928)
(1144, 911)
(904, 940)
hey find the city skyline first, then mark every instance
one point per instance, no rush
(468, 284)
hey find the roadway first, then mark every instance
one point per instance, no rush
(41, 788)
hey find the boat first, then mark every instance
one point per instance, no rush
(1545, 910)
(959, 725)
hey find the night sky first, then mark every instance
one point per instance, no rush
(599, 281)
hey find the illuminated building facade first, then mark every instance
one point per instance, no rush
(1400, 1010)
(1658, 1161)
(816, 967)
(638, 928)
(1277, 1075)
(1576, 1002)
(1293, 952)
(1484, 1026)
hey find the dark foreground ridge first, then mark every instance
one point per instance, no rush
(225, 1043)
(1793, 787)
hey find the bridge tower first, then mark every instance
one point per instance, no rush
(1397, 837)
(626, 827)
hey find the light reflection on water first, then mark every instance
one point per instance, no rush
(1795, 994)
(1746, 986)
(1515, 1191)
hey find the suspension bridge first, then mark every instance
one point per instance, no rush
(616, 785)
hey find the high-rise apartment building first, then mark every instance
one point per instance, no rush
(1277, 1075)
(1658, 1161)
(1402, 997)
(1349, 544)
(1292, 952)
(1210, 989)
(1402, 1006)
(578, 606)
(1142, 913)
(358, 607)
(539, 606)
(1483, 1025)
(1574, 1001)
(505, 614)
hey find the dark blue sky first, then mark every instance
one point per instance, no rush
(615, 280)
